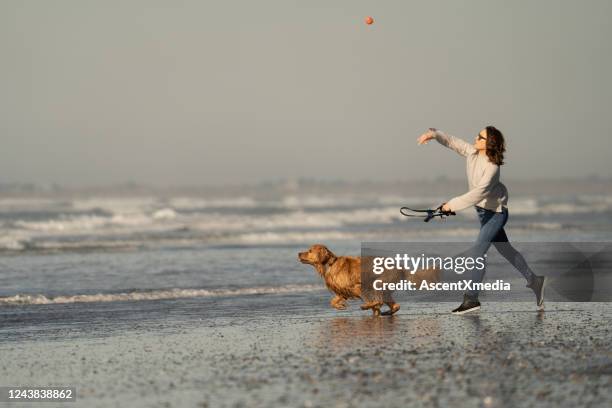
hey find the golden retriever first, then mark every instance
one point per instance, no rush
(342, 276)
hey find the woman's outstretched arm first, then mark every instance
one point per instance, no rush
(460, 146)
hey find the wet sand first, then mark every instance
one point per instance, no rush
(507, 355)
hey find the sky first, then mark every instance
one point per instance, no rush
(217, 92)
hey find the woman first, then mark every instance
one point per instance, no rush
(490, 197)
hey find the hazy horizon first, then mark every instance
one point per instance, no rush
(562, 188)
(459, 178)
(192, 93)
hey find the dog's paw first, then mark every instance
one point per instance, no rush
(371, 305)
(341, 306)
(392, 309)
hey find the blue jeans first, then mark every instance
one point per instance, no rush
(492, 232)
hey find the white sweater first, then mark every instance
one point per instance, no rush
(485, 189)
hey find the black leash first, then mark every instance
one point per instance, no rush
(431, 214)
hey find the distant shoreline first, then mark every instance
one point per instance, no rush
(439, 186)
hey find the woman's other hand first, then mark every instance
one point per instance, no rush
(427, 136)
(445, 208)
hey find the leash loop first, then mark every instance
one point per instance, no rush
(430, 213)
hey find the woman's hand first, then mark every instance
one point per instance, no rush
(427, 136)
(445, 208)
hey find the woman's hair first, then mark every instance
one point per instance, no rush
(496, 145)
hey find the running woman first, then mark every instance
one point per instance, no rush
(490, 198)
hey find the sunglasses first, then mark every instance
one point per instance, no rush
(481, 138)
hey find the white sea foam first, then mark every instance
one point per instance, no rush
(116, 205)
(303, 219)
(29, 204)
(295, 237)
(545, 226)
(164, 214)
(399, 201)
(292, 201)
(297, 219)
(585, 204)
(194, 203)
(176, 293)
(14, 242)
(85, 223)
(79, 223)
(108, 239)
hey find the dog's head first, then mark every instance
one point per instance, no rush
(317, 255)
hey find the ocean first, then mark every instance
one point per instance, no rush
(89, 262)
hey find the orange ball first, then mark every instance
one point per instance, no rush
(369, 20)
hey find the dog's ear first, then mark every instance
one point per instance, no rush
(322, 253)
(327, 256)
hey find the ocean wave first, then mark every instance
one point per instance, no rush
(119, 205)
(297, 237)
(18, 242)
(545, 226)
(164, 214)
(50, 244)
(581, 205)
(194, 203)
(84, 223)
(355, 199)
(417, 202)
(297, 202)
(31, 204)
(315, 202)
(298, 225)
(298, 219)
(69, 224)
(139, 222)
(13, 242)
(160, 294)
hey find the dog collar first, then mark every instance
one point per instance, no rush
(331, 261)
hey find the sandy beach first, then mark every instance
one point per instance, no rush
(309, 356)
(181, 183)
(192, 302)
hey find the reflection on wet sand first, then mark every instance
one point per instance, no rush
(420, 330)
(342, 332)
